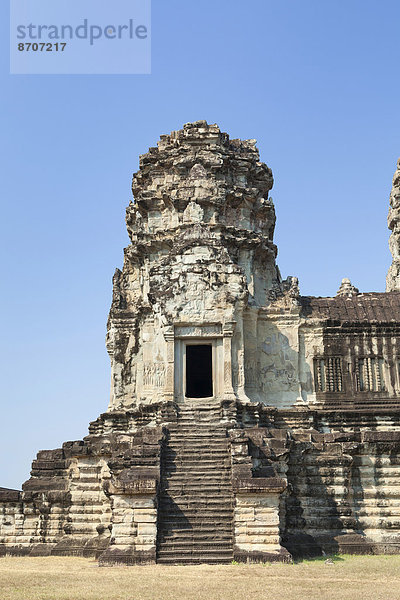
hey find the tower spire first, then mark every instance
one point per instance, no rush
(393, 276)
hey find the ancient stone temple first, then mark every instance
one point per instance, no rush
(246, 422)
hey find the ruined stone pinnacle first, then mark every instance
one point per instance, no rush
(347, 289)
(393, 276)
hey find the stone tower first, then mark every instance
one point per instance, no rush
(393, 276)
(201, 262)
(246, 422)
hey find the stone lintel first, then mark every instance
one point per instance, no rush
(139, 487)
(259, 485)
(134, 482)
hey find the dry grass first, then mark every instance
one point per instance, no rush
(349, 578)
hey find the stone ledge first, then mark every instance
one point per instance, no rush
(380, 436)
(130, 481)
(127, 557)
(244, 556)
(7, 495)
(52, 484)
(259, 485)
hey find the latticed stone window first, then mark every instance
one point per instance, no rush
(328, 374)
(370, 374)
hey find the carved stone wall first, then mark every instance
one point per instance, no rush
(344, 490)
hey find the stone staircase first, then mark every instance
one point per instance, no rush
(196, 502)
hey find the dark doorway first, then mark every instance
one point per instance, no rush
(199, 371)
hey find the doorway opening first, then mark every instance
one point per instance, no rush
(199, 383)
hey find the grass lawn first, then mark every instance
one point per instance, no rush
(67, 578)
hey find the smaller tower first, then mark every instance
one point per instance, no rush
(393, 276)
(347, 289)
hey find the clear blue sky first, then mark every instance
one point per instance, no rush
(315, 82)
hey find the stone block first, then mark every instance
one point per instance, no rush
(145, 516)
(147, 529)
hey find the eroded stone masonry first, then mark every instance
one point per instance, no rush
(246, 421)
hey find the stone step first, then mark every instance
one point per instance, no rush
(192, 426)
(191, 429)
(213, 485)
(191, 463)
(205, 462)
(206, 421)
(198, 457)
(196, 517)
(190, 456)
(192, 438)
(172, 534)
(201, 487)
(198, 499)
(187, 452)
(193, 537)
(209, 559)
(196, 446)
(196, 512)
(185, 548)
(170, 506)
(196, 545)
(202, 530)
(192, 550)
(188, 473)
(185, 489)
(207, 418)
(210, 420)
(196, 454)
(201, 407)
(191, 466)
(190, 502)
(187, 447)
(197, 442)
(187, 421)
(192, 470)
(193, 432)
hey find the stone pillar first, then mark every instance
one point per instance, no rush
(169, 376)
(134, 521)
(227, 330)
(256, 524)
(258, 507)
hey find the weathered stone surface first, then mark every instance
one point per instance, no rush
(246, 421)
